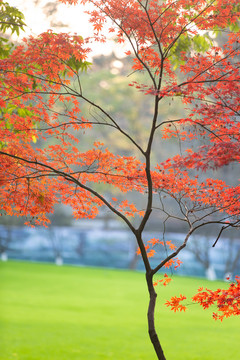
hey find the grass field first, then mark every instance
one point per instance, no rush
(71, 313)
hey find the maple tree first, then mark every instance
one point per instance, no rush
(41, 95)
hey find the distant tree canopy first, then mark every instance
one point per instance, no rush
(11, 21)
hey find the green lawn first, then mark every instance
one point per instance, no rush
(70, 313)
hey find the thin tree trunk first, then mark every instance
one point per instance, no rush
(151, 323)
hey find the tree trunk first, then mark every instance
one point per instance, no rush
(151, 323)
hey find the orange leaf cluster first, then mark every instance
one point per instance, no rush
(174, 303)
(165, 281)
(227, 301)
(151, 252)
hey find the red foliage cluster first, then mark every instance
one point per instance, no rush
(227, 301)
